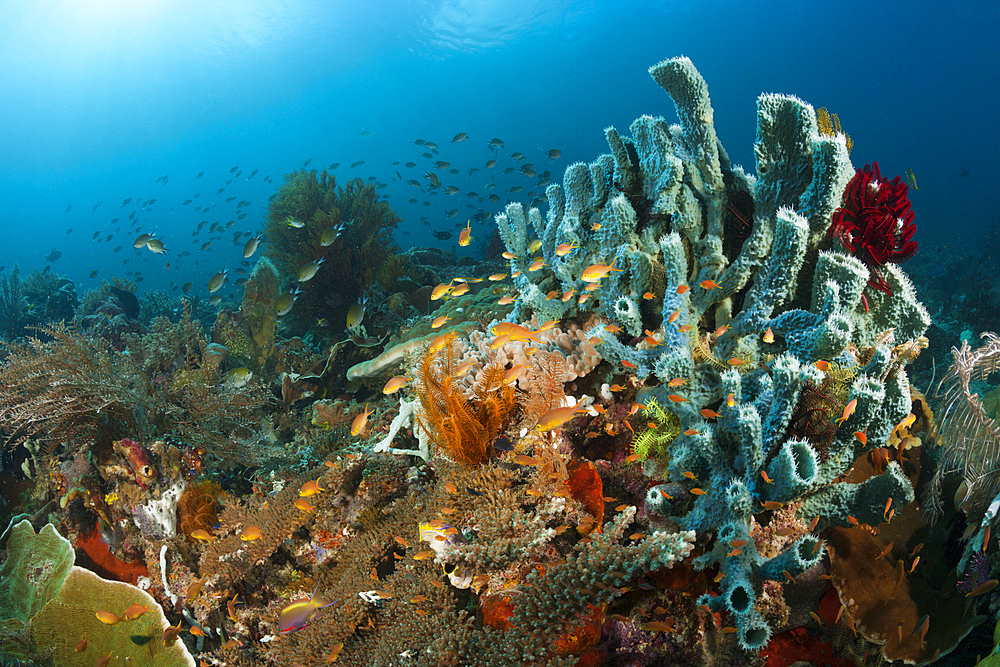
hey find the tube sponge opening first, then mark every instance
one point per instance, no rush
(793, 470)
(754, 633)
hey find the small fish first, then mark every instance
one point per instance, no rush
(231, 608)
(861, 437)
(309, 269)
(658, 626)
(216, 282)
(708, 284)
(674, 398)
(698, 492)
(709, 414)
(899, 578)
(772, 505)
(361, 421)
(914, 565)
(108, 617)
(193, 589)
(690, 475)
(885, 551)
(450, 488)
(310, 488)
(523, 460)
(202, 535)
(304, 506)
(238, 377)
(334, 653)
(356, 313)
(555, 418)
(297, 223)
(423, 555)
(104, 660)
(82, 646)
(788, 576)
(465, 237)
(251, 533)
(595, 272)
(911, 179)
(848, 411)
(823, 365)
(734, 553)
(440, 321)
(982, 588)
(497, 277)
(135, 611)
(156, 246)
(297, 615)
(395, 384)
(251, 246)
(564, 249)
(769, 336)
(763, 474)
(536, 265)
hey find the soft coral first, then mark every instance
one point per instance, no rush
(875, 222)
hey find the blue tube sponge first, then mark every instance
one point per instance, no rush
(865, 502)
(793, 471)
(803, 554)
(738, 592)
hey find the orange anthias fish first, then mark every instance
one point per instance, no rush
(848, 411)
(564, 249)
(297, 615)
(556, 418)
(171, 633)
(465, 237)
(442, 290)
(310, 488)
(82, 646)
(708, 284)
(515, 332)
(595, 272)
(135, 611)
(361, 421)
(395, 384)
(303, 506)
(251, 533)
(202, 535)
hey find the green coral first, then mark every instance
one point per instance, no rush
(656, 440)
(48, 605)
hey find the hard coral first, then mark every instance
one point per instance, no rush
(875, 222)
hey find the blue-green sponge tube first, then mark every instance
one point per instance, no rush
(792, 471)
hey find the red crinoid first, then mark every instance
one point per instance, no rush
(875, 222)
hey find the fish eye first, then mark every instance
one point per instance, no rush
(146, 471)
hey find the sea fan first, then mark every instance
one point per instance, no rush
(970, 436)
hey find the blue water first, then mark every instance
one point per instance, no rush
(101, 98)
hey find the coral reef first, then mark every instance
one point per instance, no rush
(682, 432)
